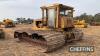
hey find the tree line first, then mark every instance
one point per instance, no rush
(89, 18)
(84, 16)
(24, 21)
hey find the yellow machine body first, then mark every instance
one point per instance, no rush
(37, 25)
(54, 29)
(66, 22)
(57, 16)
(8, 23)
(80, 24)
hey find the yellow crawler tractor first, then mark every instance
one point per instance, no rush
(8, 23)
(56, 28)
(80, 24)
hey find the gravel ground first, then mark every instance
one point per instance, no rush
(13, 47)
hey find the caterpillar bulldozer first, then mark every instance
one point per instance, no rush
(80, 24)
(54, 30)
(7, 23)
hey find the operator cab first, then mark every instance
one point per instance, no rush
(57, 16)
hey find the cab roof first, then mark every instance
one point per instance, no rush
(58, 5)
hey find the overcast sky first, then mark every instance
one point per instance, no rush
(31, 8)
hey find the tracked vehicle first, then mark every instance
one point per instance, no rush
(7, 23)
(54, 30)
(80, 24)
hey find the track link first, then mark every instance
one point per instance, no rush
(52, 40)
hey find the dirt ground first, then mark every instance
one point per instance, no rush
(13, 47)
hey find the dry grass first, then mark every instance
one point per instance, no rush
(12, 47)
